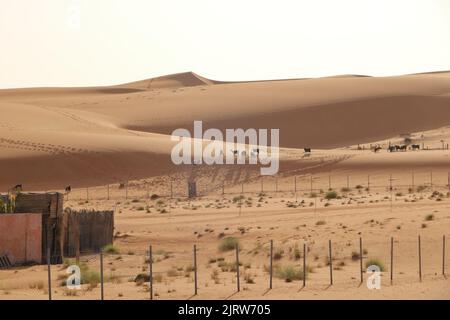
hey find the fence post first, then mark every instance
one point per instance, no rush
(329, 182)
(304, 265)
(262, 183)
(295, 183)
(443, 255)
(271, 264)
(368, 182)
(348, 181)
(195, 270)
(412, 181)
(87, 193)
(448, 180)
(108, 190)
(276, 184)
(420, 261)
(392, 260)
(331, 262)
(171, 189)
(361, 260)
(311, 182)
(431, 180)
(49, 273)
(242, 188)
(101, 277)
(237, 269)
(151, 271)
(126, 190)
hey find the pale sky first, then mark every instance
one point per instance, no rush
(103, 42)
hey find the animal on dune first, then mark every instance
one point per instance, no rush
(376, 149)
(17, 188)
(396, 147)
(415, 147)
(68, 189)
(307, 150)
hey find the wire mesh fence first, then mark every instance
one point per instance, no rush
(160, 273)
(406, 182)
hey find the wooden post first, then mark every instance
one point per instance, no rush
(448, 180)
(311, 183)
(108, 190)
(443, 255)
(87, 194)
(331, 262)
(361, 260)
(223, 188)
(276, 184)
(431, 180)
(329, 182)
(237, 269)
(101, 277)
(392, 259)
(271, 265)
(150, 262)
(195, 270)
(77, 244)
(242, 188)
(390, 182)
(304, 264)
(368, 182)
(295, 182)
(412, 181)
(49, 273)
(348, 181)
(420, 261)
(126, 190)
(262, 183)
(171, 189)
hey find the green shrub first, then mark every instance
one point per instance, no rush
(376, 262)
(228, 243)
(110, 249)
(289, 273)
(331, 195)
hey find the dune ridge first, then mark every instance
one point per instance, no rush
(77, 132)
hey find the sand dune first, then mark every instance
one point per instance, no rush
(102, 134)
(185, 79)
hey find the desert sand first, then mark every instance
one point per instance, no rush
(93, 137)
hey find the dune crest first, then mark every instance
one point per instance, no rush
(105, 134)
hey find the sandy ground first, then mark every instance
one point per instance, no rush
(96, 138)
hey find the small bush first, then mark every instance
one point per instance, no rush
(289, 273)
(110, 249)
(376, 262)
(228, 243)
(278, 254)
(355, 255)
(320, 223)
(429, 217)
(331, 195)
